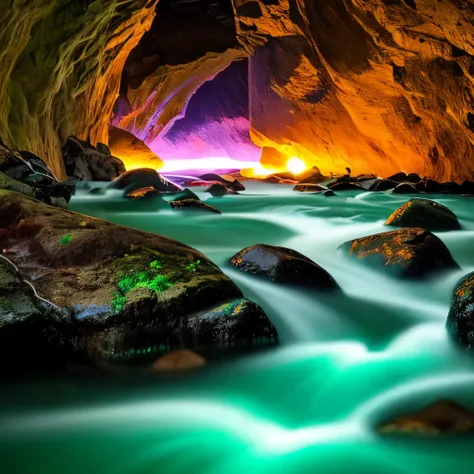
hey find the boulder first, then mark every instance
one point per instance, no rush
(405, 188)
(460, 322)
(443, 417)
(329, 193)
(383, 185)
(219, 190)
(404, 253)
(134, 180)
(451, 188)
(467, 187)
(346, 186)
(412, 178)
(216, 179)
(143, 193)
(27, 173)
(185, 194)
(238, 323)
(130, 293)
(85, 162)
(309, 188)
(282, 265)
(312, 176)
(424, 213)
(429, 186)
(193, 204)
(179, 360)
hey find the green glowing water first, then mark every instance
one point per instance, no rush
(345, 364)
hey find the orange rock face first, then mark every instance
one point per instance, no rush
(378, 86)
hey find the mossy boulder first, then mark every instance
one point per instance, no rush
(219, 190)
(404, 253)
(460, 323)
(443, 417)
(282, 265)
(424, 213)
(127, 290)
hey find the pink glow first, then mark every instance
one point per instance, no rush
(209, 163)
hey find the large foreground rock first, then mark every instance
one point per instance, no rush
(424, 213)
(460, 323)
(440, 418)
(283, 265)
(86, 162)
(405, 253)
(127, 291)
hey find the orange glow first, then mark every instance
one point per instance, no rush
(295, 165)
(257, 172)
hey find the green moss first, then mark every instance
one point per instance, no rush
(150, 280)
(65, 239)
(194, 266)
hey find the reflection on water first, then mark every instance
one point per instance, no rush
(346, 362)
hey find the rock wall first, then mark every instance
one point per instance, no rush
(377, 85)
(61, 65)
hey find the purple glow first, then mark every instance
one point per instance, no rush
(216, 125)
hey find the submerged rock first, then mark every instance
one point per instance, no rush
(460, 322)
(426, 214)
(406, 253)
(136, 291)
(283, 265)
(179, 360)
(86, 162)
(329, 193)
(219, 190)
(440, 418)
(193, 204)
(134, 180)
(240, 323)
(185, 194)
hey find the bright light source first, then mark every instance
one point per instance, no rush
(295, 165)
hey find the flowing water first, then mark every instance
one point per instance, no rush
(345, 363)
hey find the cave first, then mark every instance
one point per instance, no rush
(236, 235)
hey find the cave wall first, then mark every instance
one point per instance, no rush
(61, 66)
(377, 85)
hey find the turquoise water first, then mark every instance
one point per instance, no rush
(346, 362)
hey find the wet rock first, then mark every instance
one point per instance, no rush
(329, 193)
(240, 323)
(440, 418)
(312, 176)
(219, 190)
(85, 162)
(451, 188)
(31, 332)
(216, 179)
(98, 191)
(424, 213)
(467, 187)
(144, 193)
(383, 185)
(144, 178)
(32, 177)
(368, 183)
(309, 188)
(429, 186)
(185, 194)
(282, 265)
(145, 286)
(412, 178)
(346, 186)
(460, 322)
(405, 253)
(179, 360)
(406, 188)
(193, 204)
